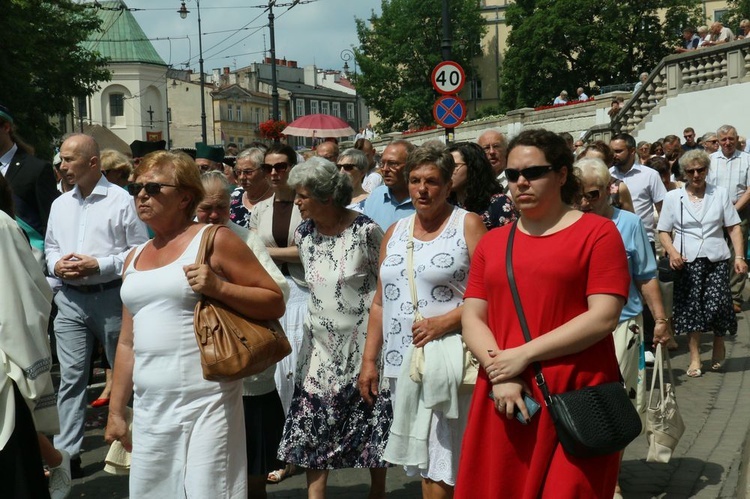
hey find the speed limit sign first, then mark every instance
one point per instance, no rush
(448, 77)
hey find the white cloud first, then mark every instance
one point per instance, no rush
(309, 33)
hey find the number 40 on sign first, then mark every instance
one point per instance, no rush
(448, 77)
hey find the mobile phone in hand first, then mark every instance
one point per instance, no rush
(532, 406)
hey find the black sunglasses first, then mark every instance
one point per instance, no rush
(279, 167)
(529, 173)
(151, 188)
(347, 166)
(591, 195)
(699, 171)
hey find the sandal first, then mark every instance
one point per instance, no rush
(694, 372)
(718, 363)
(278, 476)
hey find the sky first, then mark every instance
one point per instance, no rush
(310, 33)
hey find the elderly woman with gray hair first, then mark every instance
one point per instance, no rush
(699, 213)
(355, 163)
(264, 414)
(253, 186)
(329, 425)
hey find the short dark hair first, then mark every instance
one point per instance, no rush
(441, 158)
(629, 140)
(556, 152)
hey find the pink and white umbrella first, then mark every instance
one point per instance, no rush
(318, 125)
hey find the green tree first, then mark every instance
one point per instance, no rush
(738, 10)
(398, 51)
(42, 64)
(566, 44)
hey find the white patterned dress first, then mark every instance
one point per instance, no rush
(329, 425)
(441, 269)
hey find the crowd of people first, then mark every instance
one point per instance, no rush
(390, 279)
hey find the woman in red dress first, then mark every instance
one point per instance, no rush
(572, 277)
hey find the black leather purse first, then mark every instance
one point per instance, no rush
(591, 421)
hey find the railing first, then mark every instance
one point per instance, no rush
(712, 67)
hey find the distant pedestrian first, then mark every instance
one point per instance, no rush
(561, 99)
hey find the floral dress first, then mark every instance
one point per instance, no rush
(329, 425)
(238, 212)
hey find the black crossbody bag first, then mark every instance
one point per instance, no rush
(591, 421)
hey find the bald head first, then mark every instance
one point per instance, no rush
(495, 146)
(328, 150)
(80, 162)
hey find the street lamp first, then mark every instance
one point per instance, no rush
(346, 56)
(183, 14)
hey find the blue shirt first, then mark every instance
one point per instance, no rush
(385, 209)
(641, 260)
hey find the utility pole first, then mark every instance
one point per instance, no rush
(274, 84)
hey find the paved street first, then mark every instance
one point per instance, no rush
(707, 464)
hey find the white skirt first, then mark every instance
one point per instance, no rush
(292, 322)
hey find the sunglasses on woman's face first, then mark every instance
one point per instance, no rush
(279, 167)
(346, 166)
(591, 195)
(529, 173)
(151, 188)
(693, 171)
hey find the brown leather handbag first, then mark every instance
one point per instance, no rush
(233, 346)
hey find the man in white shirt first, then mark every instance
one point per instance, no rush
(730, 169)
(91, 229)
(645, 185)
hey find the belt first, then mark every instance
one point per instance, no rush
(96, 288)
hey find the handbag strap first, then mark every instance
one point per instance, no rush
(410, 268)
(538, 375)
(661, 356)
(207, 244)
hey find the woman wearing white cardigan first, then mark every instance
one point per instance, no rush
(698, 214)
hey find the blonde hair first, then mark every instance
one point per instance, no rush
(593, 169)
(183, 170)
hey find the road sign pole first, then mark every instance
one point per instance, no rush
(449, 136)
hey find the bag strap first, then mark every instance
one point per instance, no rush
(538, 375)
(207, 244)
(410, 268)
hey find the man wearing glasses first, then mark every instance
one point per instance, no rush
(730, 169)
(91, 229)
(391, 202)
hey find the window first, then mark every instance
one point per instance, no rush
(325, 107)
(336, 109)
(349, 110)
(477, 89)
(231, 140)
(240, 143)
(313, 107)
(82, 111)
(719, 14)
(259, 114)
(300, 107)
(230, 114)
(116, 104)
(239, 112)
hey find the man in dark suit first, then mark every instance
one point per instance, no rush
(31, 179)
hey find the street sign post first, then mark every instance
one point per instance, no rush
(448, 77)
(449, 111)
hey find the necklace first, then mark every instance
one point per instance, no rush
(255, 200)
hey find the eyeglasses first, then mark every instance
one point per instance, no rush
(592, 195)
(491, 147)
(151, 188)
(279, 167)
(390, 165)
(347, 166)
(247, 171)
(699, 171)
(689, 136)
(529, 173)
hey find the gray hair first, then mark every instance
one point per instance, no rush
(726, 130)
(594, 169)
(323, 180)
(255, 154)
(358, 158)
(216, 181)
(692, 157)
